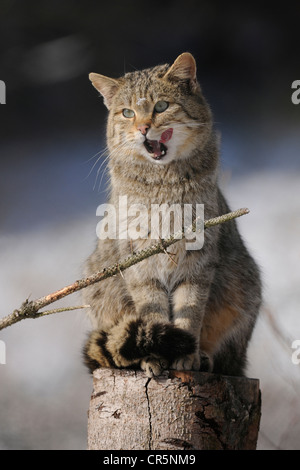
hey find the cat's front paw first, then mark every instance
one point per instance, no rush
(153, 366)
(188, 362)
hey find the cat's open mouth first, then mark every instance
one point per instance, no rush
(157, 148)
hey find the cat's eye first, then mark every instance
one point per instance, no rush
(128, 113)
(161, 106)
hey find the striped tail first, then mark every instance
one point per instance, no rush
(136, 342)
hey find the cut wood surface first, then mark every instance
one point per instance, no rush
(180, 410)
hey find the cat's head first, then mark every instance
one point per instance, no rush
(157, 114)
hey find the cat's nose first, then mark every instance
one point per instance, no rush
(143, 128)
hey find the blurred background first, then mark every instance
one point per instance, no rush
(52, 130)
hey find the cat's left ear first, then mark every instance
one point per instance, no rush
(184, 69)
(108, 87)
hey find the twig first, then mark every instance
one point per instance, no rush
(30, 309)
(61, 309)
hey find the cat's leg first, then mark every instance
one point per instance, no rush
(225, 334)
(168, 341)
(189, 300)
(149, 297)
(152, 304)
(230, 318)
(231, 311)
(141, 335)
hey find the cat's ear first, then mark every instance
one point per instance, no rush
(184, 69)
(106, 86)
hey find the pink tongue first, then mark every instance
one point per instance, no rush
(166, 135)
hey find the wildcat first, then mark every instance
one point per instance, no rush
(188, 309)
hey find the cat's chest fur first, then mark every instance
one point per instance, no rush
(158, 211)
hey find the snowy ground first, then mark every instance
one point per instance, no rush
(272, 233)
(45, 389)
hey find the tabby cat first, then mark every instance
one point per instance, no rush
(186, 309)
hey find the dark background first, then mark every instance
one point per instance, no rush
(52, 131)
(247, 57)
(47, 49)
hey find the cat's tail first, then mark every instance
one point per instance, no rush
(136, 342)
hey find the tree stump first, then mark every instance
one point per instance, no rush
(176, 411)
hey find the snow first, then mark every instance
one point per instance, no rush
(44, 387)
(272, 231)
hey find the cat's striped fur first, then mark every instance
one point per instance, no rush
(190, 309)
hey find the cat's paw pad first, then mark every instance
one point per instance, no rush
(153, 366)
(188, 362)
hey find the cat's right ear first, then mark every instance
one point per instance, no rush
(108, 87)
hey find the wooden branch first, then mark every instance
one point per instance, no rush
(31, 309)
(180, 410)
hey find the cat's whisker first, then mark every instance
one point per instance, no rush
(94, 165)
(99, 170)
(190, 124)
(101, 152)
(115, 150)
(184, 133)
(105, 170)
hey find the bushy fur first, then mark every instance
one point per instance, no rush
(190, 307)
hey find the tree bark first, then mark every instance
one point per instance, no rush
(180, 410)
